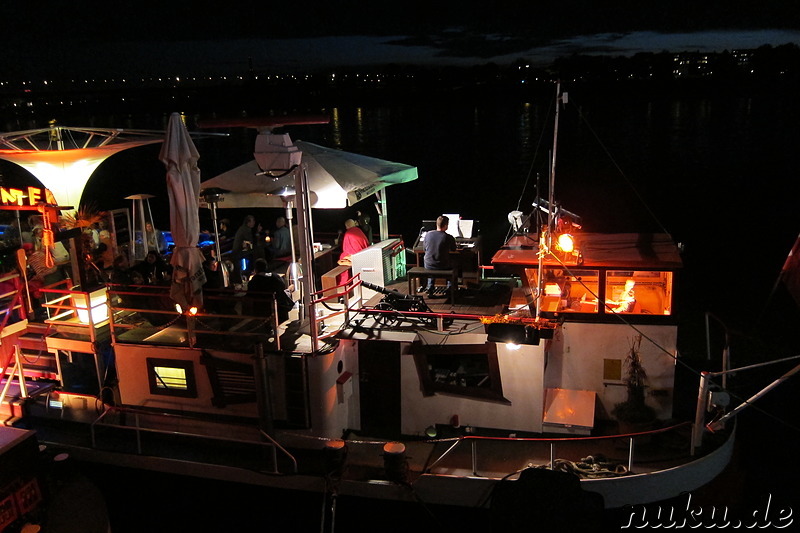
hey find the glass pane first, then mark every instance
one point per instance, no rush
(639, 292)
(170, 378)
(567, 291)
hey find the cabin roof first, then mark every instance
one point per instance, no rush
(601, 250)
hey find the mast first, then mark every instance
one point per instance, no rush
(552, 184)
(546, 237)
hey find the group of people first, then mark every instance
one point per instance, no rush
(252, 241)
(152, 270)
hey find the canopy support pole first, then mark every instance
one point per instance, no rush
(383, 219)
(306, 250)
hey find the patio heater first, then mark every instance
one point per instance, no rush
(212, 198)
(294, 273)
(140, 217)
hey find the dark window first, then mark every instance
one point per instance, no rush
(460, 369)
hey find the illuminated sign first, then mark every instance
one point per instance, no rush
(32, 196)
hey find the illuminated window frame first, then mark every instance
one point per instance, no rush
(181, 383)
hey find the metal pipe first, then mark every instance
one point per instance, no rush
(261, 368)
(630, 455)
(446, 452)
(700, 410)
(717, 424)
(474, 443)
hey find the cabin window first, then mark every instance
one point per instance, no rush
(567, 291)
(171, 377)
(639, 292)
(460, 369)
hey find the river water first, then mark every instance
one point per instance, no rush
(714, 168)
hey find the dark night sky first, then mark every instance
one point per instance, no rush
(56, 38)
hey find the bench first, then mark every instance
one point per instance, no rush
(416, 276)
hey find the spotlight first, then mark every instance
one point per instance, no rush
(512, 334)
(566, 242)
(507, 333)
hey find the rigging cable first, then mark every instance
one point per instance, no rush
(530, 169)
(614, 162)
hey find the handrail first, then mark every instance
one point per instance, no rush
(119, 308)
(277, 446)
(15, 303)
(475, 439)
(138, 429)
(335, 294)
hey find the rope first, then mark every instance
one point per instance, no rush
(591, 467)
(48, 240)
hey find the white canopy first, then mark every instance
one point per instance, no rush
(336, 179)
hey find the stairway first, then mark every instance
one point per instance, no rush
(39, 368)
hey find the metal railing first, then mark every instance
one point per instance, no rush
(572, 449)
(11, 301)
(344, 305)
(149, 308)
(140, 426)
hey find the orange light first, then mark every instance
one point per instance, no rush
(566, 243)
(192, 311)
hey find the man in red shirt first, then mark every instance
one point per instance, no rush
(353, 241)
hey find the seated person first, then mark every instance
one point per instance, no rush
(155, 239)
(154, 270)
(122, 274)
(353, 241)
(437, 245)
(627, 299)
(280, 242)
(261, 283)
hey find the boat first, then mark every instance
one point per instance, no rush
(508, 383)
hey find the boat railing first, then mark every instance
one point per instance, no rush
(592, 456)
(12, 302)
(142, 421)
(329, 304)
(147, 314)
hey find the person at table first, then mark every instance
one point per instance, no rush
(626, 301)
(353, 240)
(154, 270)
(243, 242)
(224, 229)
(437, 245)
(260, 285)
(156, 241)
(280, 241)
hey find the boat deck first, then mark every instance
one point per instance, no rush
(237, 452)
(485, 297)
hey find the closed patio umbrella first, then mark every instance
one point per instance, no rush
(183, 185)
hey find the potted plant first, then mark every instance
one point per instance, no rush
(634, 415)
